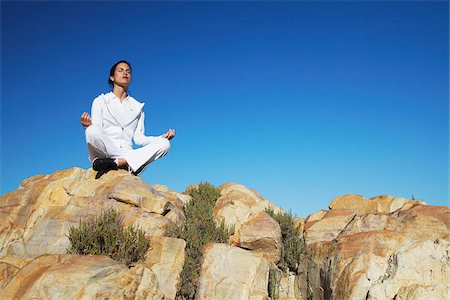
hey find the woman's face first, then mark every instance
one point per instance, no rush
(122, 75)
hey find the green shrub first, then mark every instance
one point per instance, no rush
(291, 240)
(105, 235)
(274, 283)
(199, 230)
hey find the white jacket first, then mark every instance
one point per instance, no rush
(122, 122)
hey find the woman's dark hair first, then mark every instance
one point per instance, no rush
(113, 69)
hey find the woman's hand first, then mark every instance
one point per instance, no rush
(86, 120)
(170, 134)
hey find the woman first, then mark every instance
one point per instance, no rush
(117, 120)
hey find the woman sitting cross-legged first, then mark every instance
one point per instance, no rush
(117, 120)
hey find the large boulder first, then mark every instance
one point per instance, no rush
(289, 287)
(37, 216)
(328, 227)
(165, 258)
(237, 203)
(229, 272)
(261, 234)
(379, 204)
(81, 277)
(399, 255)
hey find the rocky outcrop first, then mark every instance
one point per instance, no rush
(81, 277)
(289, 288)
(386, 255)
(380, 204)
(328, 227)
(379, 248)
(36, 218)
(165, 258)
(237, 203)
(261, 234)
(232, 273)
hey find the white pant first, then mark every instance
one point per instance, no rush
(100, 145)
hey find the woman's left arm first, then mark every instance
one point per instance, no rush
(139, 136)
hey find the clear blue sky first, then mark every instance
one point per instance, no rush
(301, 101)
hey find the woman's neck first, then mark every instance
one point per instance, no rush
(120, 92)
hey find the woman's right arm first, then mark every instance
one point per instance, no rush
(97, 115)
(97, 112)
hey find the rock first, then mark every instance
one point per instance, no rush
(160, 188)
(299, 224)
(289, 287)
(379, 204)
(262, 235)
(384, 277)
(229, 272)
(184, 198)
(37, 216)
(132, 190)
(237, 203)
(401, 255)
(422, 222)
(423, 292)
(328, 227)
(165, 258)
(7, 271)
(190, 188)
(316, 216)
(81, 277)
(379, 248)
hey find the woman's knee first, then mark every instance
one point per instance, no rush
(164, 144)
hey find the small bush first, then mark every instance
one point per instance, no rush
(292, 243)
(105, 235)
(274, 283)
(199, 230)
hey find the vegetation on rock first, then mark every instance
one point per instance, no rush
(106, 235)
(199, 230)
(274, 283)
(292, 247)
(291, 240)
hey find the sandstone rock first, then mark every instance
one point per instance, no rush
(384, 277)
(184, 198)
(229, 272)
(190, 188)
(368, 223)
(261, 234)
(132, 190)
(289, 287)
(422, 222)
(37, 216)
(379, 204)
(379, 248)
(165, 258)
(299, 224)
(318, 215)
(7, 272)
(160, 188)
(160, 200)
(423, 292)
(81, 277)
(401, 255)
(237, 203)
(329, 227)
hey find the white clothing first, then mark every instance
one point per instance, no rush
(115, 125)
